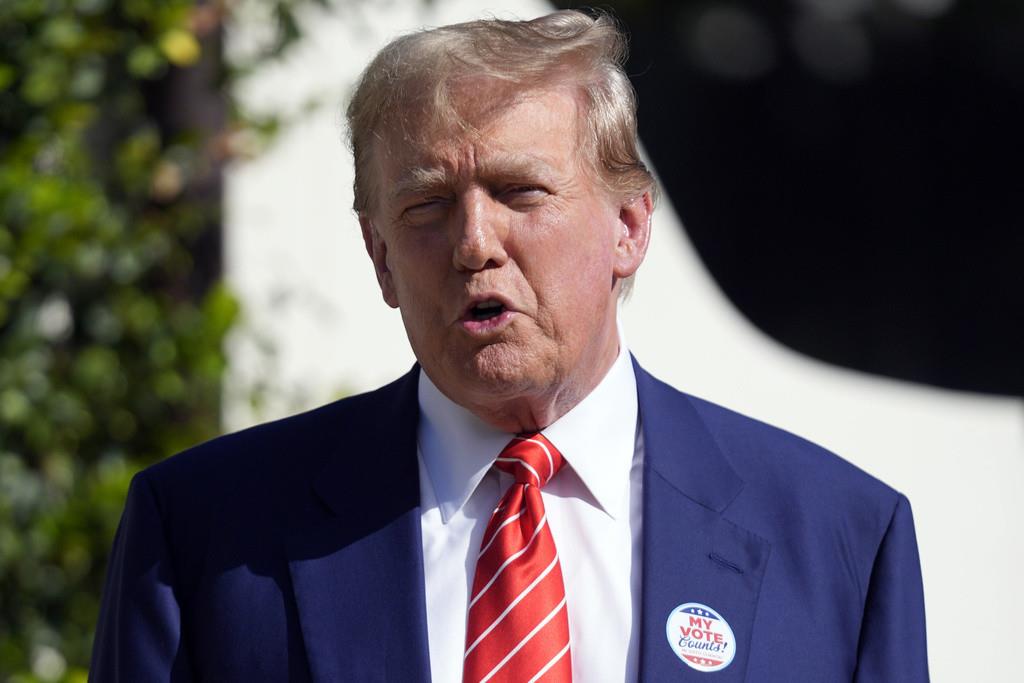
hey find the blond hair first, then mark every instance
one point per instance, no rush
(411, 80)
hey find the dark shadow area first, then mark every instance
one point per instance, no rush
(850, 172)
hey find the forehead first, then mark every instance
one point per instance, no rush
(486, 131)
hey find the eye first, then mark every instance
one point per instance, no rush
(523, 195)
(425, 208)
(526, 189)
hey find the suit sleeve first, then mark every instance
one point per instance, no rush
(138, 637)
(892, 637)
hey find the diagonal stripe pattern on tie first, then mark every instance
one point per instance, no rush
(517, 627)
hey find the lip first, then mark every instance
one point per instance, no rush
(491, 325)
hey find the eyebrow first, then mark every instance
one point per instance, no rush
(424, 179)
(420, 179)
(517, 165)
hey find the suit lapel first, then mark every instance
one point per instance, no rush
(355, 555)
(691, 552)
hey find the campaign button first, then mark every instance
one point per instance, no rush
(700, 637)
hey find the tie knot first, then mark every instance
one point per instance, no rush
(531, 459)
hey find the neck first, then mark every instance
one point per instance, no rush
(527, 414)
(533, 411)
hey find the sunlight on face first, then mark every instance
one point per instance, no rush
(503, 256)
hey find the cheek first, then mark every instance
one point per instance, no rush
(573, 289)
(569, 259)
(590, 254)
(582, 237)
(417, 263)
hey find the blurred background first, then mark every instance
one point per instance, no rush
(837, 251)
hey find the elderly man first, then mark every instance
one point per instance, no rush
(527, 504)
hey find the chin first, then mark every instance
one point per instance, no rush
(504, 370)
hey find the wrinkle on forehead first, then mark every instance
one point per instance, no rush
(436, 149)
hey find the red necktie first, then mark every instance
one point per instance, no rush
(517, 629)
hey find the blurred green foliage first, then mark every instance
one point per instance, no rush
(110, 345)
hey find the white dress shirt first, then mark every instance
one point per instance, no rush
(593, 508)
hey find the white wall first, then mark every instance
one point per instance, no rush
(295, 257)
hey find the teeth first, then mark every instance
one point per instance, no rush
(488, 305)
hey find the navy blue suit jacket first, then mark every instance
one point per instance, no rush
(291, 552)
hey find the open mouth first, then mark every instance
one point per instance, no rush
(485, 310)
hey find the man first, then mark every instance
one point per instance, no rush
(527, 503)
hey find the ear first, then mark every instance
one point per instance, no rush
(377, 248)
(634, 234)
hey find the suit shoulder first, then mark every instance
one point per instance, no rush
(761, 452)
(802, 498)
(271, 452)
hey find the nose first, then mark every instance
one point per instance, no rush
(480, 230)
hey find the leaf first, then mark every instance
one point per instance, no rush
(180, 47)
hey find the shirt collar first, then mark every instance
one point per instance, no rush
(456, 446)
(597, 438)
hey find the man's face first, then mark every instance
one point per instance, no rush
(504, 255)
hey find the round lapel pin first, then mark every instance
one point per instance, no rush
(700, 637)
